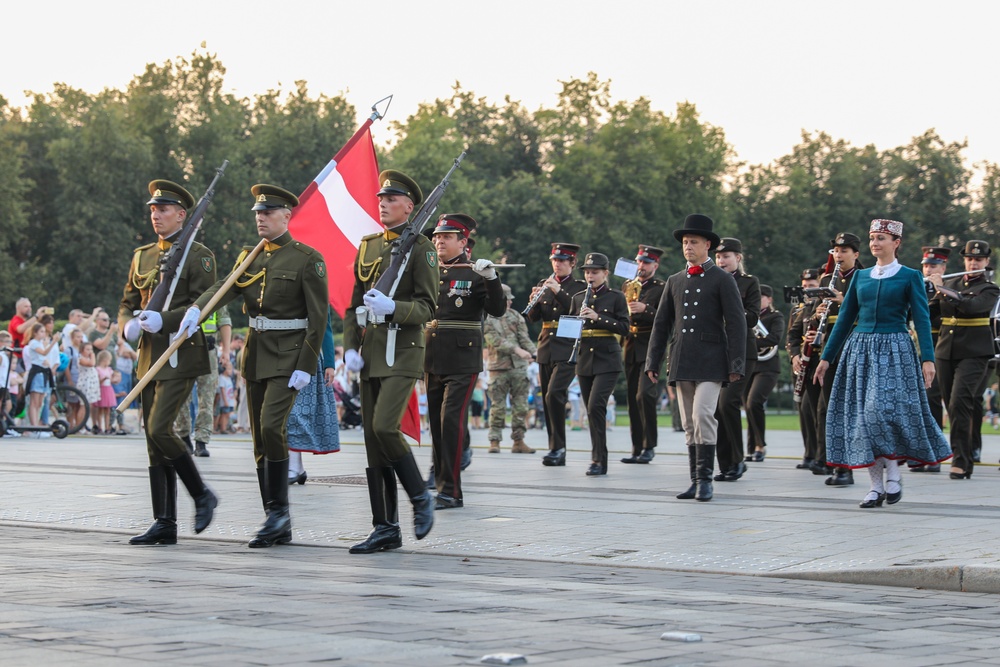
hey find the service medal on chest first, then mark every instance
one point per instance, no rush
(458, 302)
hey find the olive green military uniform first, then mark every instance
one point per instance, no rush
(508, 373)
(385, 389)
(286, 281)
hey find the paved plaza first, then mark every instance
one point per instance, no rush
(543, 563)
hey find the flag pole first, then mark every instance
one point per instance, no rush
(376, 115)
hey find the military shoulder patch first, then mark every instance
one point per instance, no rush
(206, 263)
(432, 259)
(321, 269)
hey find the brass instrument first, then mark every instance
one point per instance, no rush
(806, 355)
(760, 331)
(576, 345)
(632, 289)
(537, 297)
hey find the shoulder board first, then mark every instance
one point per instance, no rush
(144, 247)
(369, 237)
(303, 248)
(248, 248)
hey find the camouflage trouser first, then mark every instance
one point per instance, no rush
(204, 418)
(513, 382)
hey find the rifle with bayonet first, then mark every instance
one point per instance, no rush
(174, 259)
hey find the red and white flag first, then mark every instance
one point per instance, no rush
(338, 208)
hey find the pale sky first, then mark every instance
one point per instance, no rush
(863, 71)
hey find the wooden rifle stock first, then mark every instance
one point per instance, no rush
(176, 344)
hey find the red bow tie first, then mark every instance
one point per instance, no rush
(695, 270)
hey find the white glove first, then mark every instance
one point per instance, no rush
(150, 320)
(299, 380)
(132, 330)
(353, 361)
(190, 322)
(379, 303)
(484, 267)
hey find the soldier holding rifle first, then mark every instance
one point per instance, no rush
(168, 392)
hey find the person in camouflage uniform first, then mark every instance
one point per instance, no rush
(510, 350)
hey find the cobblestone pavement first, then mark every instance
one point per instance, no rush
(542, 562)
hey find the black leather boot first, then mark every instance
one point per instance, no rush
(385, 513)
(277, 528)
(201, 448)
(205, 501)
(705, 455)
(163, 491)
(692, 464)
(413, 483)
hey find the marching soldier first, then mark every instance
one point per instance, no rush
(509, 351)
(801, 324)
(964, 349)
(764, 376)
(729, 450)
(701, 315)
(934, 262)
(599, 360)
(454, 346)
(167, 394)
(550, 300)
(643, 296)
(284, 292)
(391, 359)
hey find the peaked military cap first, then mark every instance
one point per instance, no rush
(976, 249)
(596, 260)
(934, 255)
(470, 245)
(767, 290)
(168, 192)
(271, 196)
(455, 223)
(810, 274)
(397, 183)
(845, 239)
(729, 244)
(564, 251)
(698, 225)
(648, 253)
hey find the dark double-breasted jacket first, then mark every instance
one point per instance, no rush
(547, 310)
(965, 327)
(641, 324)
(701, 316)
(600, 351)
(454, 344)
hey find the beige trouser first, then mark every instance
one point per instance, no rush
(698, 402)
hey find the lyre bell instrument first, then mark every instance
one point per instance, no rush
(760, 331)
(632, 289)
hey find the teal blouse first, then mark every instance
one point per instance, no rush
(883, 306)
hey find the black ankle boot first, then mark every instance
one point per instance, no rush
(693, 465)
(385, 534)
(413, 483)
(205, 501)
(277, 528)
(706, 464)
(163, 491)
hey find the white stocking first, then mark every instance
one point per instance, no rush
(876, 474)
(892, 483)
(295, 464)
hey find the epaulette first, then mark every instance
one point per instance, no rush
(303, 248)
(371, 236)
(143, 247)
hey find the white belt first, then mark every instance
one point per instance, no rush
(261, 323)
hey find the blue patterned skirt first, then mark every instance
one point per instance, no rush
(878, 405)
(312, 424)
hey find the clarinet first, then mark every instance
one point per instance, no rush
(576, 345)
(805, 356)
(537, 298)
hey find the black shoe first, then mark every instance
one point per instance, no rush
(200, 449)
(870, 502)
(960, 475)
(843, 477)
(444, 502)
(820, 468)
(299, 479)
(934, 468)
(555, 458)
(382, 538)
(596, 469)
(646, 456)
(748, 458)
(630, 459)
(732, 475)
(161, 532)
(805, 465)
(893, 498)
(918, 468)
(260, 542)
(758, 456)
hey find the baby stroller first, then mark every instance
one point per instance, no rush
(351, 415)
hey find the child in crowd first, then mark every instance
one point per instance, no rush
(225, 397)
(121, 387)
(107, 400)
(40, 349)
(87, 381)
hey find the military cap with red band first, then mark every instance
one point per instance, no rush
(648, 253)
(564, 251)
(456, 223)
(934, 255)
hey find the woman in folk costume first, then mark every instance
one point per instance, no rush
(313, 425)
(879, 412)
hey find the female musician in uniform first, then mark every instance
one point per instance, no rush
(599, 358)
(878, 411)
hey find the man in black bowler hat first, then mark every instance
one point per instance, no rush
(701, 315)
